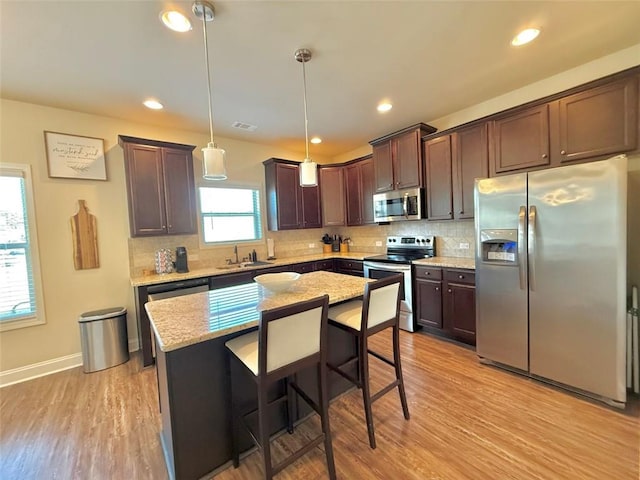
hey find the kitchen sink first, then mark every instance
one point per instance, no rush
(235, 266)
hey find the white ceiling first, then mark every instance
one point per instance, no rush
(429, 58)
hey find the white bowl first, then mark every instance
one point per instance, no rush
(277, 282)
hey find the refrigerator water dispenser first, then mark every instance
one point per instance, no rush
(499, 246)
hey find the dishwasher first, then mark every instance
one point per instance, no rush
(174, 289)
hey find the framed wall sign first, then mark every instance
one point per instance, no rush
(75, 156)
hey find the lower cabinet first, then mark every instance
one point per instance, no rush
(445, 302)
(348, 267)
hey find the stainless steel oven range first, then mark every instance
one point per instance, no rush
(401, 251)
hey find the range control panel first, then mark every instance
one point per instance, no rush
(411, 241)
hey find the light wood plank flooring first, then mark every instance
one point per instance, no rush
(468, 421)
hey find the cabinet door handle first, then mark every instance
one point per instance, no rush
(164, 226)
(449, 290)
(461, 212)
(544, 155)
(563, 152)
(427, 273)
(460, 277)
(437, 289)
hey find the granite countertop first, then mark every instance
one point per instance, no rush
(212, 271)
(448, 262)
(189, 319)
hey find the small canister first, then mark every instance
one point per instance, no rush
(164, 262)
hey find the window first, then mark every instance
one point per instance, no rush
(230, 214)
(20, 304)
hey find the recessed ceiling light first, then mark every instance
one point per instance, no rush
(525, 36)
(316, 140)
(175, 21)
(153, 104)
(384, 107)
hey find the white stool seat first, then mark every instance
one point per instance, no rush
(348, 314)
(245, 348)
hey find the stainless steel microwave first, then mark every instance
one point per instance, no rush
(399, 205)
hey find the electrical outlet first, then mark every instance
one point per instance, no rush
(313, 245)
(464, 246)
(378, 243)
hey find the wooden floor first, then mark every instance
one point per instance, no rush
(468, 421)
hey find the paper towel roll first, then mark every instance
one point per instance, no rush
(271, 252)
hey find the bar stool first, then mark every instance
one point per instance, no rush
(288, 339)
(378, 310)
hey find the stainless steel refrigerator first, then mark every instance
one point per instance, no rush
(551, 275)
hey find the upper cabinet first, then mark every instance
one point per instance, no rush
(521, 140)
(453, 162)
(439, 178)
(289, 206)
(360, 187)
(599, 121)
(160, 187)
(398, 159)
(586, 123)
(332, 190)
(470, 154)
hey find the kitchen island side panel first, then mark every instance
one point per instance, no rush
(194, 403)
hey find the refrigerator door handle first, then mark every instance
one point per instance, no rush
(521, 256)
(532, 247)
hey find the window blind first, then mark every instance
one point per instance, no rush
(18, 300)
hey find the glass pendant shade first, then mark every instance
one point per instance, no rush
(213, 163)
(308, 173)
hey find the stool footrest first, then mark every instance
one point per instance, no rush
(381, 357)
(297, 454)
(306, 397)
(386, 389)
(339, 370)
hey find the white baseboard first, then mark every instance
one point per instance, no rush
(35, 370)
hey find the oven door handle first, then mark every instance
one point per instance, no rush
(387, 267)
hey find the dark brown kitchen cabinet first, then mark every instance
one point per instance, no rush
(470, 161)
(452, 163)
(586, 123)
(428, 286)
(438, 179)
(348, 267)
(599, 121)
(445, 302)
(460, 304)
(398, 158)
(520, 140)
(359, 189)
(160, 187)
(332, 190)
(326, 265)
(290, 206)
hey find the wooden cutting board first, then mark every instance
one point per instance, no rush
(84, 233)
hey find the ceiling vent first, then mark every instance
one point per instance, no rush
(244, 126)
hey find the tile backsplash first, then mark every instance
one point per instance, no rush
(293, 243)
(449, 236)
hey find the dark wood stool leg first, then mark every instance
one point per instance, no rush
(263, 421)
(323, 397)
(290, 403)
(235, 420)
(366, 392)
(396, 360)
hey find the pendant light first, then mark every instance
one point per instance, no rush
(308, 168)
(212, 156)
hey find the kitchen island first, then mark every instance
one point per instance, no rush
(192, 372)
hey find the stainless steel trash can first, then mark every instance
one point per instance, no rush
(103, 335)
